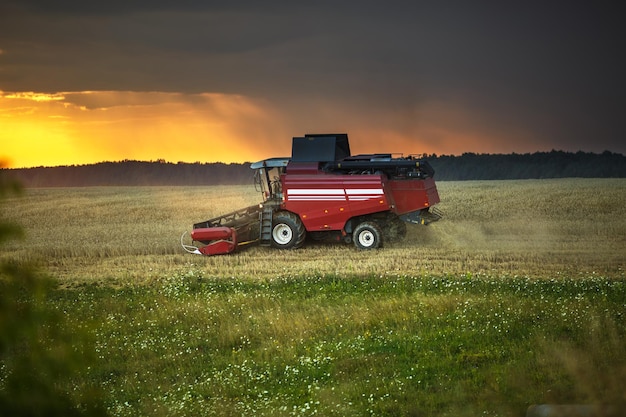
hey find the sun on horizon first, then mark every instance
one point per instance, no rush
(77, 128)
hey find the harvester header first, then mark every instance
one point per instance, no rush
(325, 193)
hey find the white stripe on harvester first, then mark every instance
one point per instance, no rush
(317, 198)
(361, 191)
(316, 194)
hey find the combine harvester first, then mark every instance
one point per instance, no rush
(328, 194)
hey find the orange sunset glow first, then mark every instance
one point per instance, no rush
(75, 128)
(89, 127)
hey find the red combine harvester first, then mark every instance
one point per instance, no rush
(326, 193)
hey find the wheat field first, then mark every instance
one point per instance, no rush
(535, 228)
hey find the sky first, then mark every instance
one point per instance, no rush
(233, 81)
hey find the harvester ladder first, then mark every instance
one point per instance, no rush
(265, 237)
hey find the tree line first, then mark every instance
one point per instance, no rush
(468, 166)
(538, 165)
(139, 173)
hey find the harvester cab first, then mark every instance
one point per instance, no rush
(267, 177)
(324, 192)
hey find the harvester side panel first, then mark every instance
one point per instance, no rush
(411, 194)
(366, 194)
(327, 202)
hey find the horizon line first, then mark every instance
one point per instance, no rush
(4, 165)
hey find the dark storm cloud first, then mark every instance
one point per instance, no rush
(554, 72)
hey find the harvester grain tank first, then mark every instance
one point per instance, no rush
(325, 193)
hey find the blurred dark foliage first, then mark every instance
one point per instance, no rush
(40, 354)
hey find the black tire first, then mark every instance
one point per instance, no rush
(288, 232)
(367, 235)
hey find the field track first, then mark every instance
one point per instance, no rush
(534, 228)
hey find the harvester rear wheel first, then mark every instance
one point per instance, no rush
(288, 232)
(367, 235)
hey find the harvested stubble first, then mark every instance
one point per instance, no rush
(538, 228)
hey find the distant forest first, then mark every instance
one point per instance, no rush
(469, 166)
(538, 165)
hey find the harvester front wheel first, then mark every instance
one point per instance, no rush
(367, 235)
(288, 232)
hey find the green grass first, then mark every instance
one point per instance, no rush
(360, 345)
